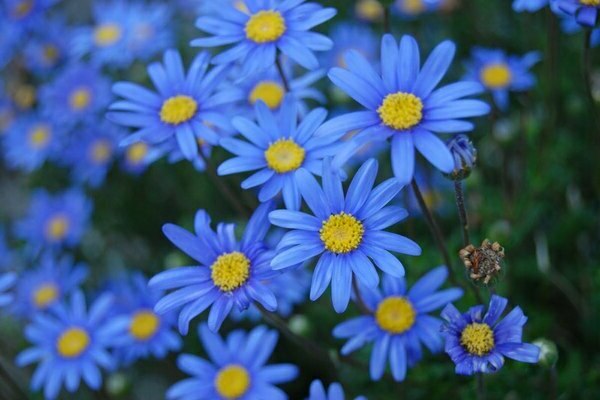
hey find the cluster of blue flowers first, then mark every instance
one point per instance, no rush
(74, 102)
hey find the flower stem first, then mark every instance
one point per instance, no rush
(11, 382)
(387, 25)
(286, 84)
(587, 73)
(462, 211)
(480, 387)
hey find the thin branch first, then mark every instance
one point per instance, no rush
(462, 211)
(284, 79)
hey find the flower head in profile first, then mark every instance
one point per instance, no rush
(335, 392)
(70, 343)
(478, 342)
(345, 232)
(500, 73)
(7, 280)
(186, 106)
(399, 323)
(55, 221)
(279, 149)
(230, 272)
(403, 104)
(266, 27)
(585, 12)
(528, 5)
(235, 370)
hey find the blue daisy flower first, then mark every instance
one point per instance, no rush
(584, 11)
(351, 36)
(25, 14)
(48, 47)
(569, 24)
(500, 73)
(478, 342)
(151, 31)
(268, 26)
(31, 141)
(231, 272)
(278, 149)
(403, 104)
(139, 155)
(55, 221)
(335, 392)
(529, 5)
(235, 370)
(186, 106)
(78, 94)
(49, 283)
(345, 232)
(399, 322)
(71, 343)
(148, 333)
(7, 280)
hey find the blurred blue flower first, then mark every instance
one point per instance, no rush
(568, 24)
(278, 149)
(48, 47)
(50, 282)
(500, 73)
(345, 232)
(414, 8)
(186, 106)
(528, 5)
(399, 323)
(335, 392)
(402, 103)
(9, 40)
(478, 343)
(235, 370)
(78, 94)
(230, 272)
(175, 155)
(25, 14)
(268, 26)
(55, 221)
(139, 155)
(584, 11)
(71, 343)
(7, 280)
(351, 36)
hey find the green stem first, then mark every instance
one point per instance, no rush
(286, 85)
(462, 211)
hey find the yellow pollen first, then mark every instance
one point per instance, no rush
(178, 109)
(401, 110)
(496, 76)
(57, 227)
(270, 92)
(137, 152)
(39, 136)
(107, 34)
(23, 8)
(80, 98)
(72, 342)
(232, 382)
(50, 53)
(477, 338)
(25, 96)
(265, 26)
(230, 271)
(370, 10)
(395, 314)
(590, 2)
(284, 155)
(341, 233)
(144, 325)
(101, 151)
(45, 295)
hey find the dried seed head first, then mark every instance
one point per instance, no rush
(483, 263)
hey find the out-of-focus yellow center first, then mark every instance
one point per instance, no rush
(341, 233)
(232, 382)
(22, 8)
(50, 53)
(265, 26)
(80, 98)
(39, 136)
(44, 295)
(230, 271)
(178, 109)
(270, 92)
(144, 325)
(137, 152)
(477, 338)
(590, 2)
(284, 155)
(496, 76)
(72, 342)
(107, 34)
(412, 7)
(101, 151)
(371, 10)
(57, 227)
(25, 96)
(401, 110)
(395, 314)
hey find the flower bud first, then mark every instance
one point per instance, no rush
(464, 154)
(548, 352)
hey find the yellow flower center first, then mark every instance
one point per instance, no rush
(25, 96)
(496, 76)
(590, 2)
(401, 110)
(232, 382)
(72, 342)
(107, 34)
(265, 26)
(144, 325)
(101, 151)
(341, 233)
(395, 315)
(80, 99)
(22, 8)
(137, 152)
(50, 53)
(284, 155)
(57, 227)
(477, 338)
(230, 271)
(412, 7)
(370, 10)
(270, 92)
(39, 136)
(45, 295)
(178, 109)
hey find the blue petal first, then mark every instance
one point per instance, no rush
(403, 157)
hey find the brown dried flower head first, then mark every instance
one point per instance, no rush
(483, 263)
